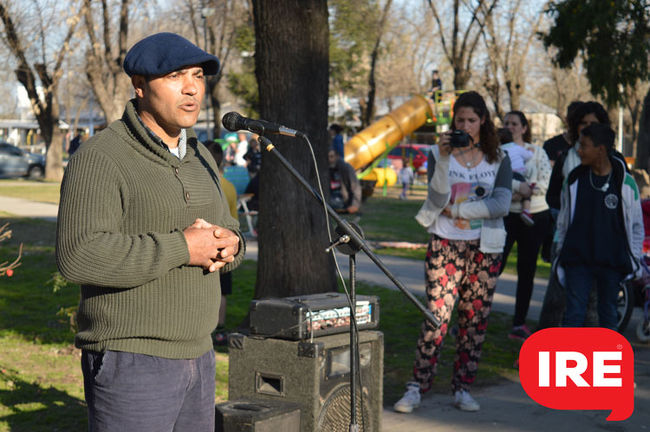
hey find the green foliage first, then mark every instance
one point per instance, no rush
(243, 84)
(67, 313)
(245, 37)
(612, 36)
(353, 28)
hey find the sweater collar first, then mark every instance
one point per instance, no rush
(151, 141)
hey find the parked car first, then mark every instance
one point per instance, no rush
(15, 162)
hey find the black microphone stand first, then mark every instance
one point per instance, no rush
(350, 241)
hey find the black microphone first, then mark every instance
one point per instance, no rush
(234, 122)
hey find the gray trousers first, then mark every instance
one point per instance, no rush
(135, 392)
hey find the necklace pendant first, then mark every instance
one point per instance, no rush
(468, 164)
(605, 187)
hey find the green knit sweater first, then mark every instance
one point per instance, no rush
(125, 201)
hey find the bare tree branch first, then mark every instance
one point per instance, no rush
(448, 54)
(372, 85)
(463, 46)
(104, 63)
(7, 268)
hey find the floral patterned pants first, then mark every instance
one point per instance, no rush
(456, 269)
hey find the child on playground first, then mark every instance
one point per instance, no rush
(405, 177)
(518, 158)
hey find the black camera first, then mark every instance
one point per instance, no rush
(459, 139)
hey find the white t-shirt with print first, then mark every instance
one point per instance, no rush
(464, 183)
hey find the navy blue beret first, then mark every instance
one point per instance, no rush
(162, 53)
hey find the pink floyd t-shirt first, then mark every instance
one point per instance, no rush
(467, 184)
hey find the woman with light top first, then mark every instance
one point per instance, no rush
(468, 195)
(527, 229)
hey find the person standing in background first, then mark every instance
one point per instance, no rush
(436, 86)
(555, 146)
(337, 139)
(345, 188)
(405, 177)
(253, 157)
(599, 230)
(527, 230)
(76, 142)
(585, 114)
(220, 337)
(242, 148)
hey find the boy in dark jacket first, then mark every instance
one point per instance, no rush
(599, 229)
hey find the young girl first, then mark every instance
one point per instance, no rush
(405, 177)
(468, 196)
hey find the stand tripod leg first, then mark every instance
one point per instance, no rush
(354, 426)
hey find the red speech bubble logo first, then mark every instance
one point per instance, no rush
(579, 369)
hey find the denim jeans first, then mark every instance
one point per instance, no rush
(579, 282)
(136, 392)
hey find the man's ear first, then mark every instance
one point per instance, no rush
(138, 82)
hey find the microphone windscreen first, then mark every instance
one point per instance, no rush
(232, 121)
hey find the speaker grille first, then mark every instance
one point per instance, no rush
(335, 414)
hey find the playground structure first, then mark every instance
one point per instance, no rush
(367, 148)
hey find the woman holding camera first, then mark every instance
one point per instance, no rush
(529, 233)
(468, 195)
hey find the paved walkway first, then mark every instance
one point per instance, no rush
(504, 407)
(26, 208)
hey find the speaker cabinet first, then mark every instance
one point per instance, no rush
(246, 415)
(315, 375)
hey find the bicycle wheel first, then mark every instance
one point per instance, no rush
(643, 330)
(624, 305)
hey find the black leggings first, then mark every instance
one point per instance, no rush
(529, 239)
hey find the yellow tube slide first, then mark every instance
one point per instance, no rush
(372, 142)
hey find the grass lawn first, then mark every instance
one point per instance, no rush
(40, 377)
(392, 219)
(35, 190)
(384, 217)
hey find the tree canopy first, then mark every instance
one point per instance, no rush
(612, 38)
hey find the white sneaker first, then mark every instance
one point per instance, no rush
(465, 402)
(410, 400)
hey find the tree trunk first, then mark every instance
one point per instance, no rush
(215, 103)
(54, 156)
(372, 84)
(643, 143)
(112, 93)
(514, 91)
(461, 75)
(291, 65)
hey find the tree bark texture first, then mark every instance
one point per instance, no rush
(643, 143)
(291, 66)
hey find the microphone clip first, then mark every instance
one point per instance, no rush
(341, 240)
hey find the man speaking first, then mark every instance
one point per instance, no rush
(144, 228)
